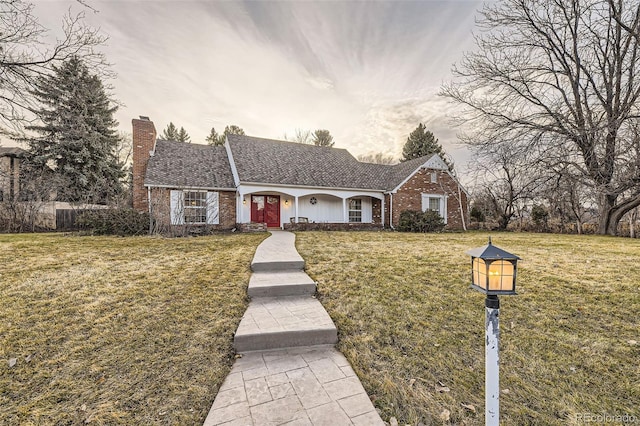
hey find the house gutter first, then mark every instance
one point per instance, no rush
(391, 210)
(462, 212)
(149, 206)
(280, 185)
(195, 188)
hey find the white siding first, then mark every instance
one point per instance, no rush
(177, 208)
(327, 209)
(213, 208)
(367, 210)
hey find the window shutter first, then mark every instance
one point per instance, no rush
(425, 202)
(177, 207)
(443, 208)
(213, 208)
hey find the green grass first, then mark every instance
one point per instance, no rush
(111, 330)
(411, 326)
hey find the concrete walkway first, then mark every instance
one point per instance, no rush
(289, 373)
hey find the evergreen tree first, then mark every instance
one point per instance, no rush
(214, 138)
(77, 134)
(322, 137)
(170, 133)
(422, 142)
(219, 139)
(231, 130)
(183, 136)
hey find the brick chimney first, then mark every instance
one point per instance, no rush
(144, 142)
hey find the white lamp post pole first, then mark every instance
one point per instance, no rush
(493, 272)
(492, 361)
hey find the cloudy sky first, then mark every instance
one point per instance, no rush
(367, 71)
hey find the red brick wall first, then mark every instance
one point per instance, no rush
(376, 210)
(161, 213)
(409, 197)
(144, 138)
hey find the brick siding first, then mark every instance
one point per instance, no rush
(409, 197)
(161, 214)
(332, 226)
(144, 138)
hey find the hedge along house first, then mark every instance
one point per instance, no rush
(262, 183)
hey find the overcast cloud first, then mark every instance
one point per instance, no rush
(367, 71)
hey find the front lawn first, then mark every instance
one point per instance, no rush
(107, 330)
(414, 330)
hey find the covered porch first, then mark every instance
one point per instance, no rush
(298, 208)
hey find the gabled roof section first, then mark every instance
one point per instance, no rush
(260, 160)
(189, 165)
(402, 171)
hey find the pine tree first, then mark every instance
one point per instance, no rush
(77, 134)
(219, 139)
(170, 133)
(214, 138)
(183, 136)
(231, 130)
(422, 142)
(322, 137)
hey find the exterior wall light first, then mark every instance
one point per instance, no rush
(244, 200)
(493, 272)
(286, 202)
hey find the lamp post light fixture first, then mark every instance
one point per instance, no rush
(493, 272)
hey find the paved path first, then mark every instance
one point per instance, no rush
(289, 372)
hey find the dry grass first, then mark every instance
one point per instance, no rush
(118, 330)
(410, 324)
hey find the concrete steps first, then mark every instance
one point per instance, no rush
(287, 283)
(277, 254)
(277, 265)
(282, 312)
(289, 372)
(284, 322)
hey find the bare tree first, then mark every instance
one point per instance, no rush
(300, 136)
(560, 77)
(506, 181)
(378, 158)
(25, 56)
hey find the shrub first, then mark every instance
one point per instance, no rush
(114, 222)
(540, 215)
(417, 221)
(477, 214)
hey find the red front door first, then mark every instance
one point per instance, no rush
(266, 209)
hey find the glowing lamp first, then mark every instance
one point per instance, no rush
(493, 270)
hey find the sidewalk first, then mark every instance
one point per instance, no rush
(289, 372)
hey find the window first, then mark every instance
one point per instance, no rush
(435, 202)
(434, 177)
(355, 210)
(194, 207)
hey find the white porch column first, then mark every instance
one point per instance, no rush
(382, 211)
(241, 209)
(345, 211)
(296, 201)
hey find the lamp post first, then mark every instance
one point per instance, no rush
(493, 273)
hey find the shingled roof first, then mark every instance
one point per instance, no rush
(260, 160)
(189, 165)
(268, 161)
